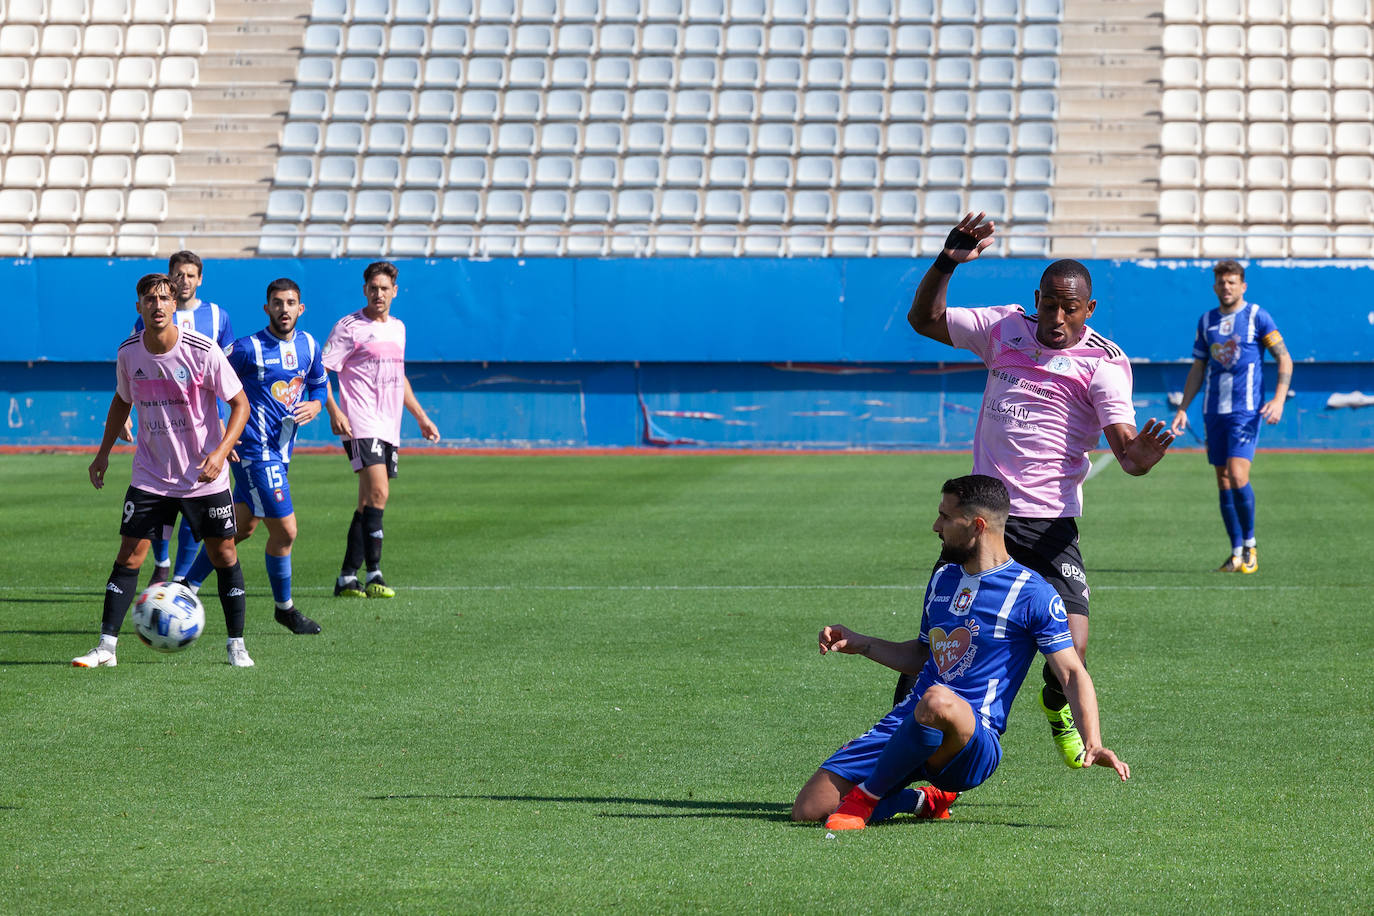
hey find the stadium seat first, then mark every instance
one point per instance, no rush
(1224, 40)
(1267, 41)
(1354, 172)
(423, 172)
(285, 205)
(1311, 206)
(1179, 171)
(59, 205)
(772, 171)
(1349, 72)
(365, 240)
(1311, 137)
(1181, 104)
(25, 172)
(1266, 172)
(769, 207)
(322, 240)
(461, 207)
(1182, 41)
(374, 206)
(337, 172)
(1354, 207)
(154, 171)
(1310, 73)
(358, 72)
(32, 137)
(171, 105)
(111, 171)
(1266, 11)
(93, 240)
(50, 73)
(72, 137)
(1001, 71)
(1222, 206)
(597, 171)
(1310, 172)
(956, 39)
(1179, 206)
(1310, 241)
(815, 171)
(689, 138)
(178, 72)
(146, 205)
(1223, 172)
(1267, 138)
(344, 138)
(685, 171)
(641, 171)
(67, 172)
(591, 205)
(858, 171)
(1354, 242)
(1219, 72)
(387, 138)
(728, 172)
(323, 39)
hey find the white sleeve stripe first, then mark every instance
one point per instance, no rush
(1000, 631)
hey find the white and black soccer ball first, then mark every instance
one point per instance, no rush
(168, 616)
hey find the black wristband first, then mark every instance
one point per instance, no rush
(945, 264)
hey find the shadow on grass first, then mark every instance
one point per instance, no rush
(777, 812)
(767, 811)
(85, 632)
(69, 598)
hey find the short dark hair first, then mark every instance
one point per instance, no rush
(379, 267)
(979, 491)
(1065, 268)
(1227, 267)
(150, 282)
(184, 257)
(280, 284)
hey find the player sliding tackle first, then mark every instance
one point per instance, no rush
(1055, 387)
(984, 618)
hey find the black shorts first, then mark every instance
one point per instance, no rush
(1049, 546)
(364, 452)
(149, 516)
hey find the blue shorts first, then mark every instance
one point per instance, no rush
(263, 487)
(1231, 435)
(969, 768)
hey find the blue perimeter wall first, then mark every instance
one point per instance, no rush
(741, 352)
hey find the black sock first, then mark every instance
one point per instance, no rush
(233, 598)
(353, 556)
(120, 591)
(372, 537)
(1053, 692)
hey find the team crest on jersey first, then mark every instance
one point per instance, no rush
(288, 359)
(288, 393)
(182, 374)
(953, 650)
(1227, 324)
(1059, 365)
(963, 599)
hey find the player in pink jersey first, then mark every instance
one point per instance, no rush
(367, 351)
(175, 376)
(1054, 388)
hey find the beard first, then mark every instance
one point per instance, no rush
(952, 553)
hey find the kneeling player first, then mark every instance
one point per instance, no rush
(286, 386)
(175, 376)
(984, 618)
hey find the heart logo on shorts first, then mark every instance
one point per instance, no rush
(288, 393)
(948, 649)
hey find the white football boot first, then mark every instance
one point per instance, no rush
(238, 655)
(102, 656)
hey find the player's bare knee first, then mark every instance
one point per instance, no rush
(938, 705)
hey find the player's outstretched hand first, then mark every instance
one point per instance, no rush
(96, 471)
(1106, 757)
(1272, 411)
(1180, 423)
(429, 430)
(836, 638)
(339, 426)
(969, 239)
(1150, 444)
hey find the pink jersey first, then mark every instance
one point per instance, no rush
(1043, 409)
(178, 424)
(369, 357)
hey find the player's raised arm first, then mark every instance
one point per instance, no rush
(1078, 687)
(116, 420)
(1138, 451)
(965, 243)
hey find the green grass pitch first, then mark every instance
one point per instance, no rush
(598, 689)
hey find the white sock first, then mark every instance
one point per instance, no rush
(1250, 542)
(373, 574)
(1235, 551)
(108, 642)
(234, 641)
(283, 606)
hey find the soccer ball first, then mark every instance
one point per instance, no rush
(168, 616)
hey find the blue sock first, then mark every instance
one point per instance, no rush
(161, 554)
(1245, 512)
(187, 548)
(910, 747)
(903, 802)
(200, 569)
(1229, 516)
(279, 574)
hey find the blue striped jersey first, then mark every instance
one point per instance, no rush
(207, 318)
(1234, 346)
(277, 375)
(984, 631)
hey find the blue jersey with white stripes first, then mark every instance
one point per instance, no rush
(277, 375)
(207, 318)
(984, 630)
(1234, 346)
